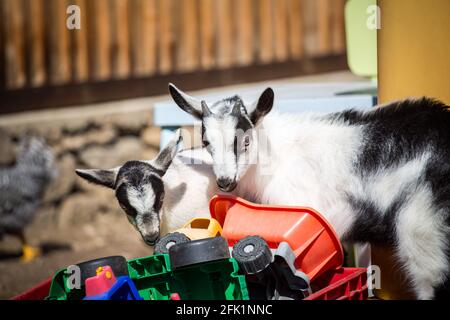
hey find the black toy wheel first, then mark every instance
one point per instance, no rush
(162, 245)
(117, 263)
(252, 254)
(198, 251)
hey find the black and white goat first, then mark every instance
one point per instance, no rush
(380, 176)
(162, 194)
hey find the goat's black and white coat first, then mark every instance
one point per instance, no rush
(380, 176)
(161, 195)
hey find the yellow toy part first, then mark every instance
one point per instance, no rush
(200, 228)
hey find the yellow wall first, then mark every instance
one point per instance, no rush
(414, 49)
(413, 60)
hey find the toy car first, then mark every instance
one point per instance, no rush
(199, 269)
(305, 245)
(195, 229)
(315, 245)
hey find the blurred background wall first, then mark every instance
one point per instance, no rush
(129, 48)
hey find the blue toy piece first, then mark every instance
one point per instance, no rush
(123, 289)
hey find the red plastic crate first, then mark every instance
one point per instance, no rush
(341, 284)
(38, 292)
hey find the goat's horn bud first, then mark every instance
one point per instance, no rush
(205, 110)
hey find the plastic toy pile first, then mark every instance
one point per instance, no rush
(245, 251)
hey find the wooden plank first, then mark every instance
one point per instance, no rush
(100, 42)
(280, 30)
(323, 16)
(143, 46)
(93, 92)
(224, 18)
(310, 27)
(2, 50)
(80, 53)
(59, 43)
(295, 28)
(245, 31)
(120, 39)
(266, 44)
(14, 44)
(207, 34)
(187, 53)
(36, 40)
(338, 27)
(166, 36)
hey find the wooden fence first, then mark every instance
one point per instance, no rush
(129, 39)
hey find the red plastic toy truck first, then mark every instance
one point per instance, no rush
(313, 240)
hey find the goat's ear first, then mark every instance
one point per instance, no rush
(105, 178)
(262, 106)
(164, 159)
(186, 102)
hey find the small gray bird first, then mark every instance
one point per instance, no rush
(22, 188)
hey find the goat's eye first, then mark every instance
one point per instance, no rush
(205, 143)
(246, 141)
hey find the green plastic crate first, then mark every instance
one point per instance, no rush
(60, 291)
(216, 280)
(155, 280)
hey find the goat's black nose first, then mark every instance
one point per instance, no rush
(151, 239)
(226, 184)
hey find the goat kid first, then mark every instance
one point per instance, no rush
(380, 176)
(161, 195)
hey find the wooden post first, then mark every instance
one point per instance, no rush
(59, 43)
(36, 40)
(295, 29)
(144, 37)
(280, 30)
(120, 39)
(266, 43)
(188, 54)
(207, 33)
(323, 14)
(338, 27)
(14, 43)
(166, 36)
(224, 19)
(80, 51)
(245, 31)
(101, 39)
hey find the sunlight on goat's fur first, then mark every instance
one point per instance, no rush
(380, 176)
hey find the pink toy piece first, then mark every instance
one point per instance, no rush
(175, 296)
(101, 282)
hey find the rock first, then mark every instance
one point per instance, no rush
(76, 210)
(45, 219)
(8, 150)
(65, 180)
(151, 136)
(104, 157)
(52, 135)
(98, 136)
(131, 123)
(74, 125)
(104, 196)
